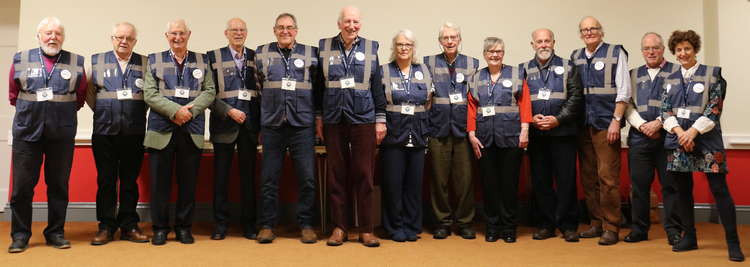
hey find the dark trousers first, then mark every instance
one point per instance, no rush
(350, 167)
(117, 158)
(301, 144)
(27, 163)
(500, 168)
(720, 191)
(182, 152)
(643, 160)
(553, 177)
(450, 158)
(402, 189)
(247, 150)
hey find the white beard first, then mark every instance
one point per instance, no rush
(544, 55)
(50, 51)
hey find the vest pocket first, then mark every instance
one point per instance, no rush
(363, 102)
(304, 101)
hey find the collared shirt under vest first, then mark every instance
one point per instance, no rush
(236, 87)
(447, 115)
(598, 75)
(407, 95)
(46, 103)
(646, 95)
(118, 93)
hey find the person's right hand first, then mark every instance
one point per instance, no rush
(237, 115)
(476, 145)
(183, 115)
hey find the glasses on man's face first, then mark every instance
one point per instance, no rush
(405, 46)
(591, 30)
(450, 38)
(177, 34)
(651, 48)
(237, 30)
(281, 28)
(123, 38)
(495, 52)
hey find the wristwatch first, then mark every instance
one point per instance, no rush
(618, 119)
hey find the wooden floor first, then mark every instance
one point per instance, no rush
(288, 251)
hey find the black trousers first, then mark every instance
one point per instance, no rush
(117, 158)
(717, 182)
(500, 168)
(247, 149)
(301, 144)
(182, 152)
(643, 160)
(553, 177)
(27, 162)
(402, 189)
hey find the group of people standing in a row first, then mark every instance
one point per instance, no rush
(286, 93)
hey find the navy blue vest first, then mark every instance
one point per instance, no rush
(164, 70)
(646, 95)
(296, 107)
(355, 105)
(113, 116)
(682, 94)
(503, 128)
(554, 79)
(448, 119)
(405, 128)
(54, 118)
(599, 89)
(229, 81)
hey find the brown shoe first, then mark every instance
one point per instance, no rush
(369, 240)
(338, 237)
(609, 238)
(594, 231)
(308, 236)
(265, 236)
(103, 236)
(134, 235)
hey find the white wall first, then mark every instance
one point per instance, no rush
(733, 40)
(9, 14)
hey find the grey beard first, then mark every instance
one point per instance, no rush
(50, 51)
(544, 55)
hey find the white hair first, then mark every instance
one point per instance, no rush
(409, 35)
(178, 21)
(229, 22)
(124, 23)
(449, 26)
(54, 21)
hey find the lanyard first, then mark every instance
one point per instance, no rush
(546, 77)
(451, 70)
(405, 82)
(241, 71)
(686, 90)
(491, 86)
(180, 74)
(44, 68)
(286, 61)
(348, 59)
(125, 76)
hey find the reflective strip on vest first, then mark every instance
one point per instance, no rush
(55, 98)
(26, 64)
(369, 58)
(707, 79)
(235, 93)
(501, 109)
(608, 61)
(113, 95)
(553, 95)
(447, 101)
(397, 108)
(388, 80)
(160, 66)
(514, 78)
(220, 65)
(651, 103)
(635, 80)
(267, 56)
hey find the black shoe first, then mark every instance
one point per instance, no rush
(491, 236)
(735, 253)
(570, 236)
(250, 233)
(467, 233)
(159, 238)
(635, 237)
(509, 237)
(58, 241)
(18, 245)
(184, 236)
(687, 242)
(673, 238)
(544, 233)
(412, 237)
(441, 233)
(219, 234)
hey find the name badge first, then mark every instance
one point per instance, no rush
(182, 92)
(44, 94)
(456, 98)
(407, 109)
(288, 84)
(488, 111)
(244, 95)
(347, 82)
(683, 113)
(543, 94)
(35, 72)
(126, 93)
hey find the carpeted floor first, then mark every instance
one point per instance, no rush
(288, 251)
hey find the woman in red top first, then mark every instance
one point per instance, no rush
(499, 112)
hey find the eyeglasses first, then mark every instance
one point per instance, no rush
(493, 52)
(450, 38)
(651, 48)
(123, 38)
(591, 30)
(287, 28)
(177, 34)
(237, 30)
(404, 45)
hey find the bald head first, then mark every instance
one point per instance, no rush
(349, 11)
(236, 33)
(542, 32)
(543, 43)
(591, 32)
(589, 21)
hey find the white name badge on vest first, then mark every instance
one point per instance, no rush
(182, 92)
(698, 88)
(34, 73)
(126, 93)
(347, 82)
(65, 74)
(407, 109)
(418, 75)
(488, 111)
(559, 70)
(288, 84)
(599, 65)
(459, 77)
(359, 56)
(507, 83)
(543, 94)
(244, 94)
(197, 73)
(456, 98)
(299, 63)
(139, 83)
(44, 94)
(683, 113)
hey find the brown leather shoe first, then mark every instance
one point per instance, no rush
(308, 236)
(134, 235)
(609, 238)
(265, 236)
(338, 237)
(369, 240)
(594, 231)
(103, 236)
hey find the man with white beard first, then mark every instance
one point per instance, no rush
(47, 87)
(556, 100)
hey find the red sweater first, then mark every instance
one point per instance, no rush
(13, 88)
(524, 106)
